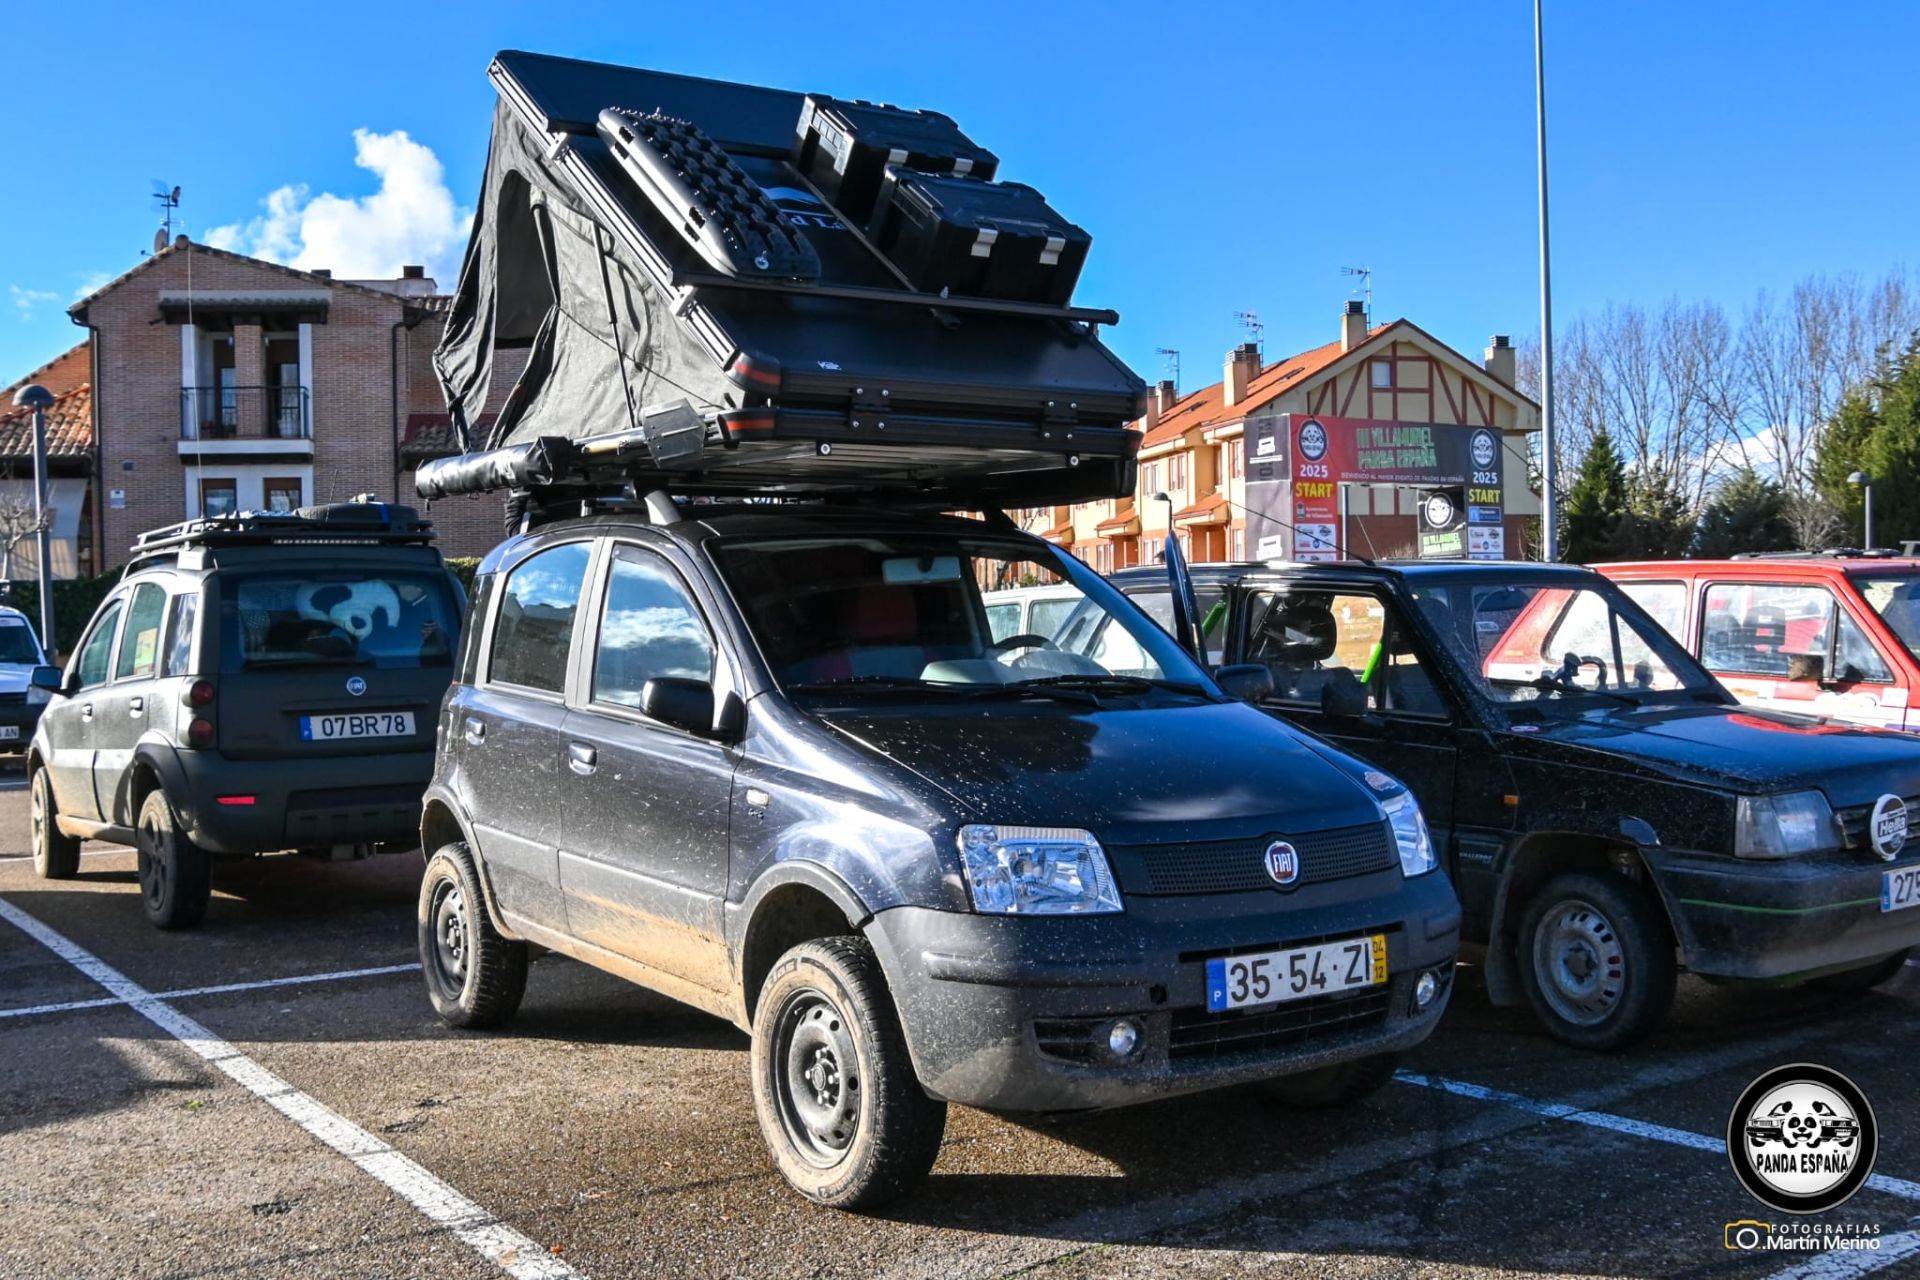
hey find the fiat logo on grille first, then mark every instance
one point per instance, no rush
(1283, 863)
(1887, 828)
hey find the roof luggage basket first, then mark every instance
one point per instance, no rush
(687, 267)
(363, 521)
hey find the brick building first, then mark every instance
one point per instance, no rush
(211, 382)
(1193, 445)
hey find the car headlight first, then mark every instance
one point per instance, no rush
(1410, 834)
(1782, 826)
(1043, 871)
(36, 696)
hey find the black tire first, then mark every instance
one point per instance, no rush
(842, 1112)
(1339, 1085)
(176, 875)
(1882, 970)
(1596, 959)
(56, 855)
(475, 977)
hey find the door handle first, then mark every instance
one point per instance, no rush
(476, 731)
(86, 711)
(580, 758)
(136, 705)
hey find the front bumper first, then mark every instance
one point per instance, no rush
(1756, 919)
(309, 803)
(1003, 1012)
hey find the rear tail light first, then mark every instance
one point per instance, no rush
(200, 732)
(200, 693)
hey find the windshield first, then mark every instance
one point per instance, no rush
(1539, 647)
(1896, 598)
(928, 611)
(364, 617)
(17, 646)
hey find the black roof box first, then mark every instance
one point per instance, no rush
(696, 313)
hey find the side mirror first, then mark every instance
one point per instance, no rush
(1247, 681)
(51, 679)
(1343, 700)
(684, 704)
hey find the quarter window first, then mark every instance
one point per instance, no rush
(96, 656)
(650, 630)
(179, 645)
(140, 639)
(533, 635)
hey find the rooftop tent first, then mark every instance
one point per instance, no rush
(695, 312)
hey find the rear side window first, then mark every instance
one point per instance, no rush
(318, 616)
(1776, 629)
(96, 656)
(650, 629)
(140, 638)
(533, 634)
(179, 645)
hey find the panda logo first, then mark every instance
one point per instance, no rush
(1313, 440)
(1802, 1138)
(1485, 451)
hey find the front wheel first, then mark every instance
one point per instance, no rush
(176, 875)
(56, 855)
(475, 976)
(1596, 960)
(841, 1110)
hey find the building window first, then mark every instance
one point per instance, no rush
(219, 497)
(1177, 466)
(284, 493)
(1237, 542)
(1382, 374)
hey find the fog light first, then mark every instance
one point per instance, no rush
(1425, 990)
(1122, 1037)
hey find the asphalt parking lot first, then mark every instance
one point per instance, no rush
(271, 1096)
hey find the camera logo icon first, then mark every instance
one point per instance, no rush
(1748, 1234)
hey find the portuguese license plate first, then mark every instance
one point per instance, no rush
(357, 724)
(9, 732)
(1900, 889)
(1295, 973)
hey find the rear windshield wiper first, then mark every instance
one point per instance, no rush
(301, 660)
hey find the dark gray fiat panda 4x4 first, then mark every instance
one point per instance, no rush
(770, 761)
(256, 682)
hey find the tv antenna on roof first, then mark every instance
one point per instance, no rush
(1366, 282)
(1250, 321)
(1172, 357)
(167, 199)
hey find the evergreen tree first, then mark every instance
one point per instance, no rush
(1877, 430)
(1748, 513)
(1595, 504)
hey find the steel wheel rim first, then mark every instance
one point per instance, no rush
(452, 937)
(37, 813)
(1579, 963)
(816, 1078)
(153, 866)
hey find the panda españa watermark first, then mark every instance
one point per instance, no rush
(1802, 1139)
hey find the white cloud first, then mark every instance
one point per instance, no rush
(25, 300)
(90, 282)
(413, 217)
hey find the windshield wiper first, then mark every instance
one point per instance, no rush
(876, 685)
(1111, 683)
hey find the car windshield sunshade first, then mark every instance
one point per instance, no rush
(689, 310)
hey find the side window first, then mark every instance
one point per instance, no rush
(533, 634)
(1313, 639)
(650, 629)
(1665, 601)
(96, 655)
(1777, 629)
(178, 648)
(140, 638)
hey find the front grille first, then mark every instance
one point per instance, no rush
(1198, 1034)
(13, 699)
(1854, 819)
(1235, 866)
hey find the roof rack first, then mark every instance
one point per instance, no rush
(1833, 553)
(365, 520)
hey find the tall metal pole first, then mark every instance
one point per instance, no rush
(1869, 529)
(1549, 438)
(41, 538)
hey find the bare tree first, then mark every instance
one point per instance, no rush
(1815, 521)
(18, 520)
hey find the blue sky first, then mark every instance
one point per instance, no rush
(1224, 157)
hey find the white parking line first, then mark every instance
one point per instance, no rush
(516, 1254)
(67, 1006)
(85, 853)
(1901, 1187)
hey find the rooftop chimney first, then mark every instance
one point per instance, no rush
(1243, 362)
(413, 271)
(1353, 325)
(1499, 359)
(325, 273)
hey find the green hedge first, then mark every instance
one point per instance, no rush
(463, 568)
(74, 602)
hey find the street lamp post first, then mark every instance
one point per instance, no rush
(1549, 437)
(1864, 482)
(36, 397)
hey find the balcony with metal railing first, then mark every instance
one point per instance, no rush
(248, 416)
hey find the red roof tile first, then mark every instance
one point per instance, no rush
(59, 375)
(1205, 407)
(69, 426)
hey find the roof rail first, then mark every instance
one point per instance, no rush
(1830, 553)
(362, 521)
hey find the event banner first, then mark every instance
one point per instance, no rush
(1329, 452)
